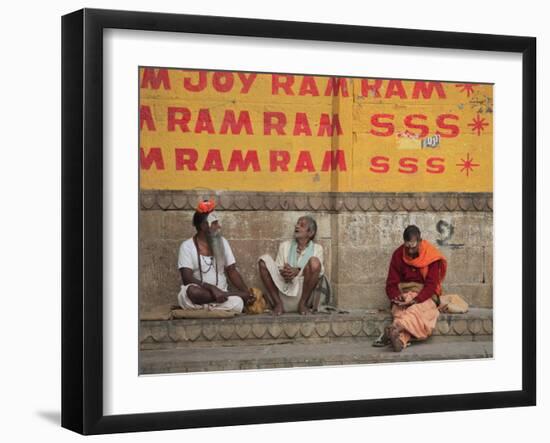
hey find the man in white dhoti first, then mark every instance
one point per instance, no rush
(291, 278)
(205, 262)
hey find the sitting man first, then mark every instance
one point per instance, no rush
(290, 280)
(413, 286)
(204, 261)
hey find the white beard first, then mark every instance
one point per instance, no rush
(218, 249)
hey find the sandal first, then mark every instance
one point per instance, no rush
(384, 339)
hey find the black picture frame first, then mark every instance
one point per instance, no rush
(82, 218)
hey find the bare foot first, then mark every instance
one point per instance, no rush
(302, 309)
(278, 309)
(396, 342)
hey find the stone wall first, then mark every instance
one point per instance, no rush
(358, 239)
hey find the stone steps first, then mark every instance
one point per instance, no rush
(264, 329)
(287, 355)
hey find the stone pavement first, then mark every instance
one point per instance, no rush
(263, 341)
(287, 355)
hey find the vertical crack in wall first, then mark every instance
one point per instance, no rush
(335, 140)
(484, 264)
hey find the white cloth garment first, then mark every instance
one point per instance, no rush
(188, 258)
(293, 288)
(233, 302)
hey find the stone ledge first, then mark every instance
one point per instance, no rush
(328, 201)
(306, 355)
(320, 328)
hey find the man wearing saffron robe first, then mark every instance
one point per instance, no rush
(206, 263)
(417, 270)
(291, 278)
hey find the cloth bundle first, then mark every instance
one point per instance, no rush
(453, 304)
(259, 304)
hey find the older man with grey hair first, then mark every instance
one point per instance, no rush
(291, 278)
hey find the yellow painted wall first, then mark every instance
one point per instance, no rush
(364, 145)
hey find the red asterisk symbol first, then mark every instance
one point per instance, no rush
(466, 87)
(478, 124)
(467, 165)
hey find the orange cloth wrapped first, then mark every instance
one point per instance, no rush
(417, 320)
(206, 206)
(427, 254)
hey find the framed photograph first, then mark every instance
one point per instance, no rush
(270, 221)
